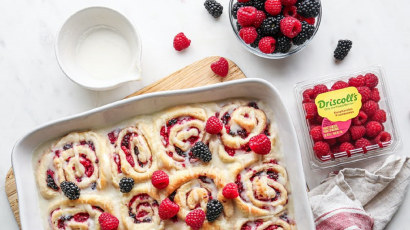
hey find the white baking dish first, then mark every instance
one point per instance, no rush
(149, 103)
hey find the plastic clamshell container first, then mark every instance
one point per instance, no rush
(337, 159)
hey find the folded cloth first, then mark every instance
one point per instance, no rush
(361, 199)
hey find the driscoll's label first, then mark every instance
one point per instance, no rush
(338, 108)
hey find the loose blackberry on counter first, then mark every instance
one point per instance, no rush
(214, 209)
(342, 49)
(283, 45)
(305, 34)
(308, 8)
(70, 190)
(126, 184)
(214, 8)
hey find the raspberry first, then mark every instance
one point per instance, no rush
(379, 116)
(316, 134)
(365, 92)
(214, 8)
(260, 144)
(160, 179)
(305, 34)
(370, 108)
(373, 128)
(195, 219)
(375, 95)
(311, 110)
(382, 137)
(201, 151)
(273, 7)
(220, 67)
(360, 119)
(213, 125)
(290, 27)
(260, 16)
(290, 11)
(319, 89)
(108, 221)
(342, 49)
(267, 45)
(230, 191)
(346, 137)
(339, 85)
(181, 42)
(335, 149)
(332, 141)
(248, 34)
(167, 209)
(346, 146)
(288, 2)
(361, 143)
(371, 80)
(357, 81)
(214, 209)
(321, 149)
(308, 94)
(309, 8)
(357, 132)
(246, 15)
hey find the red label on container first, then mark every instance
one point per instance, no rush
(332, 129)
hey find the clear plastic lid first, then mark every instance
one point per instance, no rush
(371, 133)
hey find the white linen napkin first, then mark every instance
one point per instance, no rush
(361, 199)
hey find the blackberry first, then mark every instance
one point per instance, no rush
(68, 146)
(309, 8)
(255, 44)
(283, 45)
(238, 26)
(172, 122)
(236, 7)
(342, 49)
(70, 190)
(214, 8)
(258, 4)
(65, 218)
(214, 208)
(253, 105)
(50, 183)
(201, 151)
(180, 152)
(305, 34)
(126, 184)
(271, 26)
(94, 186)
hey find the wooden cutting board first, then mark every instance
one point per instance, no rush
(194, 75)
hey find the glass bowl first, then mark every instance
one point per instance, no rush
(294, 49)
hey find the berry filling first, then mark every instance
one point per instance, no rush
(50, 180)
(165, 130)
(143, 211)
(79, 217)
(68, 146)
(113, 136)
(89, 168)
(117, 162)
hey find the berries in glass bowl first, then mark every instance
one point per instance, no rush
(275, 29)
(346, 117)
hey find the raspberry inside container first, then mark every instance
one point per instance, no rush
(371, 131)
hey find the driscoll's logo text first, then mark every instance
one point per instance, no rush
(332, 102)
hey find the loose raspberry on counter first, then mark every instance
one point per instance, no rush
(167, 209)
(310, 109)
(371, 80)
(360, 119)
(248, 34)
(379, 116)
(181, 42)
(346, 137)
(357, 81)
(382, 137)
(375, 95)
(267, 45)
(273, 7)
(290, 27)
(260, 144)
(373, 128)
(365, 92)
(346, 146)
(290, 11)
(357, 132)
(213, 125)
(160, 179)
(230, 191)
(195, 219)
(220, 67)
(370, 108)
(316, 134)
(321, 149)
(108, 221)
(260, 16)
(339, 85)
(361, 143)
(319, 89)
(246, 16)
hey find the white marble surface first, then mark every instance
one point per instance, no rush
(33, 89)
